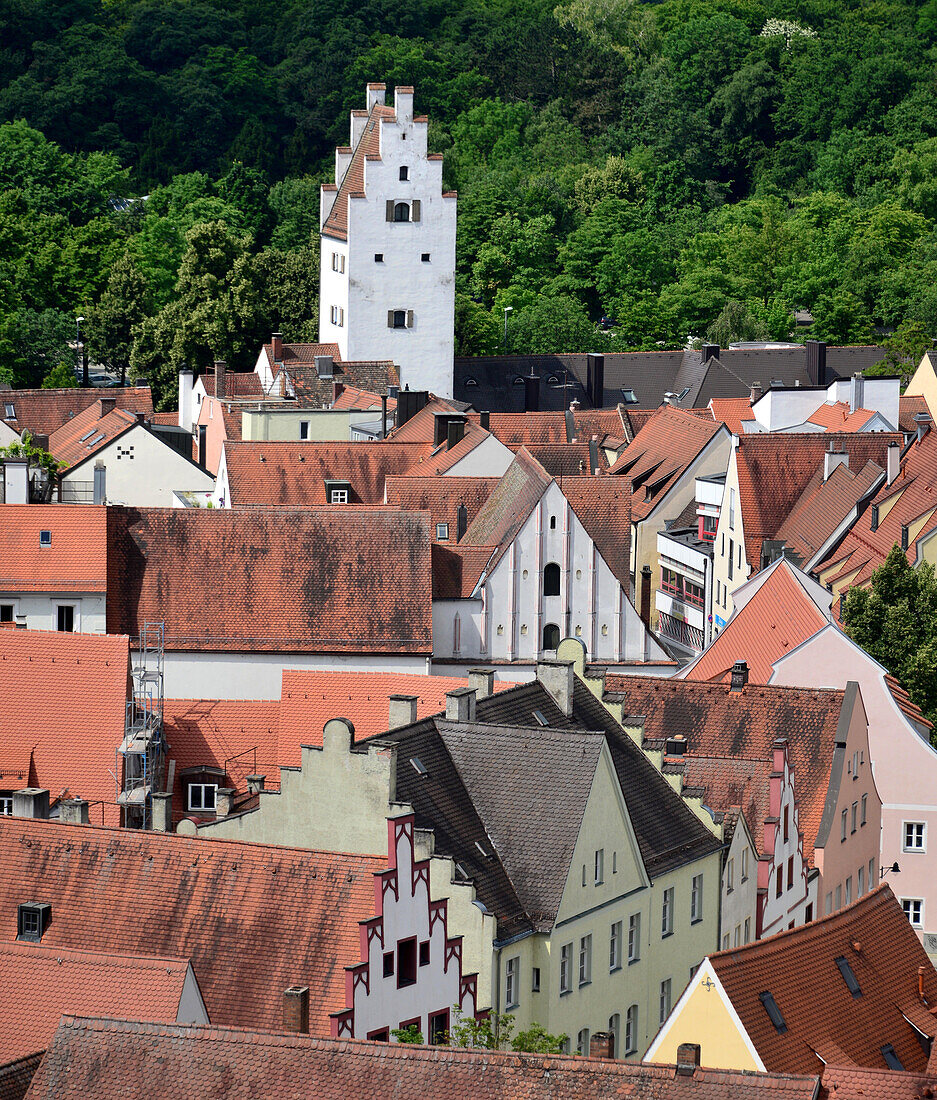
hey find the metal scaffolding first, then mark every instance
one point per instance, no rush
(141, 755)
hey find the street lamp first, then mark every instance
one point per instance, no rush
(507, 310)
(84, 380)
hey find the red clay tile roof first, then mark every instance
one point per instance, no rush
(822, 1017)
(241, 384)
(369, 146)
(421, 427)
(75, 562)
(45, 982)
(43, 411)
(660, 453)
(168, 419)
(311, 391)
(294, 354)
(98, 1059)
(603, 507)
(602, 423)
(15, 1076)
(732, 411)
(775, 468)
(437, 460)
(835, 416)
(62, 703)
(908, 408)
(294, 474)
(352, 397)
(521, 429)
(310, 699)
(568, 459)
(507, 509)
(729, 782)
(90, 430)
(824, 505)
(857, 1083)
(720, 722)
(253, 919)
(441, 497)
(324, 580)
(778, 617)
(866, 549)
(458, 569)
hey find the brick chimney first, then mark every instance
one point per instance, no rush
(559, 679)
(108, 405)
(31, 802)
(460, 705)
(601, 1044)
(161, 811)
(688, 1055)
(74, 811)
(401, 711)
(220, 371)
(739, 676)
(224, 801)
(296, 1009)
(482, 681)
(276, 341)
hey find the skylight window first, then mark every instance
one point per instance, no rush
(481, 849)
(9, 411)
(774, 1013)
(87, 435)
(96, 439)
(462, 871)
(852, 982)
(418, 766)
(628, 396)
(541, 720)
(891, 1058)
(45, 538)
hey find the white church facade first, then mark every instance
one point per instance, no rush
(388, 233)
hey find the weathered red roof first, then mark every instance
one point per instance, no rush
(92, 429)
(858, 1083)
(323, 580)
(43, 411)
(457, 569)
(76, 559)
(369, 146)
(45, 982)
(243, 384)
(253, 919)
(730, 782)
(441, 497)
(97, 1059)
(352, 397)
(824, 1021)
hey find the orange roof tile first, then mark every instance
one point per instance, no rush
(369, 146)
(733, 782)
(243, 384)
(443, 458)
(76, 559)
(352, 397)
(421, 427)
(45, 982)
(732, 411)
(97, 1059)
(520, 429)
(62, 702)
(88, 432)
(908, 408)
(253, 919)
(458, 569)
(442, 497)
(835, 416)
(859, 1083)
(822, 1017)
(43, 411)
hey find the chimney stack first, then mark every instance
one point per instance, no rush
(688, 1059)
(596, 379)
(99, 490)
(482, 682)
(460, 705)
(74, 811)
(739, 676)
(832, 459)
(161, 811)
(224, 801)
(484, 418)
(31, 802)
(709, 351)
(755, 394)
(202, 447)
(856, 392)
(646, 595)
(893, 464)
(220, 371)
(559, 679)
(296, 1009)
(255, 783)
(601, 1044)
(108, 405)
(816, 362)
(455, 431)
(185, 399)
(276, 342)
(402, 711)
(922, 422)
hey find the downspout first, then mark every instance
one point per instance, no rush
(495, 1008)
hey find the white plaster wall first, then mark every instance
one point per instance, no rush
(489, 459)
(791, 906)
(148, 477)
(444, 628)
(40, 609)
(729, 531)
(334, 291)
(282, 425)
(7, 435)
(739, 903)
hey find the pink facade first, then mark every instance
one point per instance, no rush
(411, 969)
(783, 892)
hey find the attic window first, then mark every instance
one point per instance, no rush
(9, 411)
(774, 1013)
(852, 982)
(418, 766)
(32, 919)
(518, 380)
(629, 397)
(470, 382)
(891, 1058)
(462, 871)
(538, 715)
(45, 538)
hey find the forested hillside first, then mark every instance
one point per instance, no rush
(683, 168)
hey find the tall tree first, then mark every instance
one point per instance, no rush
(121, 308)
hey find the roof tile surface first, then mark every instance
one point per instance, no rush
(74, 561)
(41, 412)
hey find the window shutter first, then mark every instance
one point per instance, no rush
(415, 210)
(390, 318)
(389, 208)
(409, 318)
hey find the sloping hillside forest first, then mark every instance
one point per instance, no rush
(630, 174)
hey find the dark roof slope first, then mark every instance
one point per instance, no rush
(505, 512)
(319, 580)
(95, 1059)
(369, 146)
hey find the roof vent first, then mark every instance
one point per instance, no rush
(774, 1013)
(852, 982)
(485, 854)
(462, 871)
(739, 675)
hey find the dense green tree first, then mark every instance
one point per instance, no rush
(123, 306)
(553, 324)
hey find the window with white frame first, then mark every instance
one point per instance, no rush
(338, 262)
(566, 967)
(585, 960)
(599, 866)
(634, 937)
(666, 913)
(304, 429)
(6, 612)
(748, 929)
(732, 509)
(696, 899)
(442, 532)
(512, 971)
(860, 879)
(730, 876)
(665, 988)
(914, 911)
(614, 947)
(631, 1030)
(745, 864)
(843, 824)
(914, 836)
(65, 617)
(201, 796)
(582, 1042)
(865, 807)
(6, 804)
(338, 496)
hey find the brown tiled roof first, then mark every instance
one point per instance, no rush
(865, 549)
(441, 497)
(311, 391)
(568, 459)
(253, 919)
(369, 146)
(774, 469)
(352, 397)
(732, 783)
(601, 423)
(858, 1083)
(521, 429)
(294, 354)
(908, 408)
(603, 507)
(719, 722)
(339, 579)
(44, 982)
(76, 561)
(824, 1021)
(421, 427)
(824, 505)
(243, 384)
(43, 411)
(294, 474)
(98, 1059)
(506, 510)
(88, 432)
(458, 569)
(439, 459)
(16, 1076)
(62, 703)
(166, 419)
(660, 453)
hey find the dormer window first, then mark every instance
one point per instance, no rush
(337, 492)
(9, 411)
(32, 919)
(404, 172)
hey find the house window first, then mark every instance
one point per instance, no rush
(378, 257)
(744, 865)
(338, 496)
(202, 796)
(871, 872)
(404, 172)
(338, 316)
(65, 617)
(634, 937)
(398, 318)
(388, 964)
(600, 866)
(439, 1028)
(551, 579)
(6, 804)
(614, 947)
(585, 960)
(535, 979)
(406, 962)
(839, 897)
(552, 523)
(338, 262)
(582, 1043)
(425, 258)
(748, 930)
(737, 936)
(304, 429)
(914, 911)
(914, 836)
(551, 636)
(849, 890)
(732, 509)
(424, 953)
(614, 863)
(790, 873)
(666, 915)
(843, 826)
(9, 411)
(6, 613)
(664, 999)
(696, 899)
(861, 882)
(442, 532)
(670, 581)
(566, 963)
(865, 806)
(854, 816)
(731, 559)
(45, 538)
(512, 972)
(614, 1031)
(401, 212)
(779, 882)
(787, 823)
(631, 1030)
(730, 876)
(31, 922)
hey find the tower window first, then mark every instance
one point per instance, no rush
(378, 257)
(551, 579)
(401, 212)
(551, 636)
(404, 172)
(425, 257)
(399, 318)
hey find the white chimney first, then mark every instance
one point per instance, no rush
(831, 460)
(15, 481)
(893, 465)
(856, 392)
(186, 419)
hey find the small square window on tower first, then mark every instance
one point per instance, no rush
(425, 257)
(378, 257)
(404, 172)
